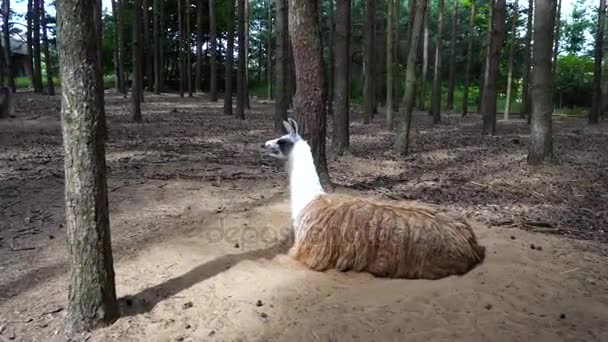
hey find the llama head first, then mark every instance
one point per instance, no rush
(281, 147)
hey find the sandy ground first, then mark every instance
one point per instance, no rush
(199, 222)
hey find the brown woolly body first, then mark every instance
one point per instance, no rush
(385, 238)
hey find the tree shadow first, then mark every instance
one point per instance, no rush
(147, 299)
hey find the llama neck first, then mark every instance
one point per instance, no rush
(304, 182)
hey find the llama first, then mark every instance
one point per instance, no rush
(392, 239)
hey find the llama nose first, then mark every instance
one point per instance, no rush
(263, 145)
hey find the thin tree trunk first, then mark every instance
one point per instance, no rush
(117, 75)
(91, 291)
(246, 44)
(510, 61)
(120, 37)
(188, 49)
(495, 44)
(596, 109)
(541, 136)
(50, 87)
(198, 81)
(396, 56)
(389, 63)
(452, 70)
(436, 96)
(37, 52)
(157, 45)
(467, 72)
(309, 108)
(330, 64)
(556, 38)
(180, 49)
(269, 53)
(229, 58)
(484, 67)
(425, 62)
(8, 60)
(163, 35)
(241, 74)
(29, 59)
(526, 105)
(402, 139)
(137, 86)
(146, 45)
(368, 62)
(342, 77)
(213, 51)
(281, 65)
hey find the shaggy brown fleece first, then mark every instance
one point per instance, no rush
(386, 239)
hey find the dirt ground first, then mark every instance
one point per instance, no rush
(199, 219)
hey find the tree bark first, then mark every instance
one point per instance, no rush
(180, 49)
(526, 105)
(467, 73)
(389, 63)
(229, 61)
(29, 62)
(309, 108)
(146, 45)
(541, 136)
(120, 41)
(330, 64)
(491, 73)
(187, 49)
(342, 78)
(246, 45)
(402, 139)
(596, 109)
(397, 55)
(91, 291)
(425, 62)
(213, 51)
(50, 87)
(137, 86)
(198, 80)
(281, 65)
(241, 74)
(157, 45)
(163, 35)
(510, 61)
(556, 37)
(8, 59)
(36, 43)
(368, 62)
(269, 53)
(436, 96)
(452, 70)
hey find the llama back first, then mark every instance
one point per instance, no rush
(388, 239)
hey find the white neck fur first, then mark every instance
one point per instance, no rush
(304, 183)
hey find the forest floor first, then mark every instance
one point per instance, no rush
(199, 217)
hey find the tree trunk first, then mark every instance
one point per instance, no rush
(541, 136)
(137, 86)
(452, 70)
(50, 87)
(330, 64)
(146, 45)
(213, 52)
(8, 59)
(117, 75)
(436, 96)
(198, 81)
(467, 72)
(188, 50)
(36, 43)
(269, 54)
(157, 46)
(425, 62)
(163, 35)
(229, 58)
(29, 59)
(510, 61)
(596, 109)
(389, 64)
(281, 65)
(402, 139)
(368, 62)
(494, 46)
(120, 40)
(241, 74)
(342, 77)
(309, 108)
(91, 291)
(526, 105)
(396, 55)
(246, 44)
(556, 37)
(180, 49)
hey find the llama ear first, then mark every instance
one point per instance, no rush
(294, 124)
(288, 127)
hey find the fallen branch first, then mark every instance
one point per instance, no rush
(14, 237)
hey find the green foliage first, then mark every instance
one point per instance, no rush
(576, 29)
(574, 80)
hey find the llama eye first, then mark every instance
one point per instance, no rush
(281, 142)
